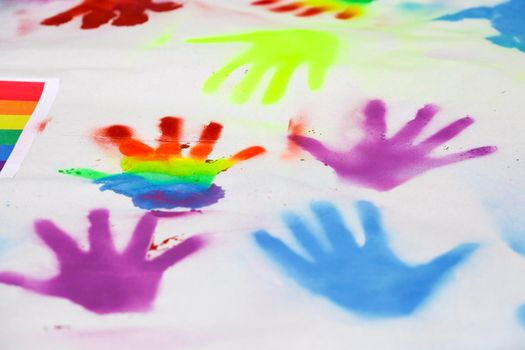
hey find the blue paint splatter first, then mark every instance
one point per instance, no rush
(161, 195)
(507, 18)
(520, 314)
(369, 280)
(515, 240)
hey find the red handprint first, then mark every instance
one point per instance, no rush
(96, 13)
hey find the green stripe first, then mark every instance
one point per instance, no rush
(9, 137)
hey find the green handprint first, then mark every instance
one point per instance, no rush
(280, 50)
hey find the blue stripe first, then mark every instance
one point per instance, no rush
(5, 151)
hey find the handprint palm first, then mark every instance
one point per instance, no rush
(507, 18)
(384, 163)
(161, 177)
(101, 279)
(283, 51)
(96, 13)
(369, 279)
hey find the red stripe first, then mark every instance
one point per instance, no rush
(20, 90)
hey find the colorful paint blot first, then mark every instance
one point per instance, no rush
(18, 100)
(384, 163)
(369, 280)
(162, 178)
(343, 9)
(280, 51)
(101, 279)
(96, 13)
(507, 18)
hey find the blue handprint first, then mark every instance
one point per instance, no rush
(369, 279)
(507, 18)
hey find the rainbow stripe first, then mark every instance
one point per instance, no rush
(18, 100)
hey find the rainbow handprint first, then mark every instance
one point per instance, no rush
(162, 178)
(343, 9)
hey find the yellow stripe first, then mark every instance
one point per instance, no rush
(13, 121)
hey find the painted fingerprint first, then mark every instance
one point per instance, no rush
(342, 9)
(162, 177)
(384, 163)
(96, 13)
(101, 279)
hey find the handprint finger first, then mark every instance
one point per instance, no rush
(374, 123)
(414, 127)
(461, 156)
(248, 153)
(141, 238)
(170, 129)
(15, 279)
(450, 259)
(371, 222)
(164, 6)
(130, 16)
(446, 134)
(335, 229)
(209, 136)
(312, 11)
(122, 136)
(277, 85)
(66, 16)
(312, 146)
(304, 236)
(282, 254)
(179, 252)
(97, 18)
(99, 233)
(214, 82)
(64, 247)
(245, 88)
(317, 72)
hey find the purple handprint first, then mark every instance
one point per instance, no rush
(383, 163)
(101, 279)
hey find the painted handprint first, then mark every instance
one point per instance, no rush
(101, 279)
(343, 9)
(162, 178)
(280, 51)
(369, 279)
(96, 13)
(383, 163)
(507, 18)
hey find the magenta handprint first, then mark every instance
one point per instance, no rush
(383, 163)
(101, 279)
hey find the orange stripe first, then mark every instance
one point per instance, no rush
(17, 107)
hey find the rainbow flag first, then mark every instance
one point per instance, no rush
(18, 103)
